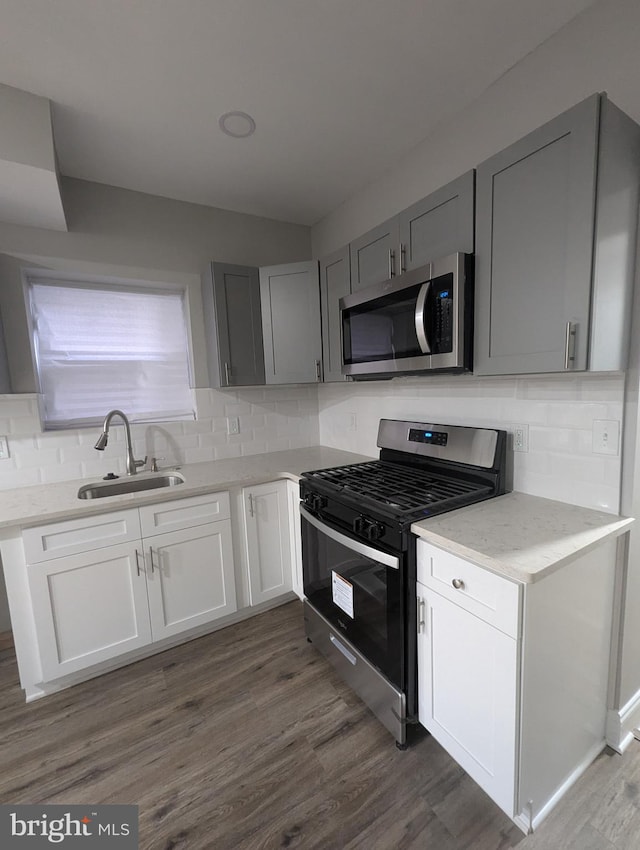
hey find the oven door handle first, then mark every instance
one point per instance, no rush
(349, 543)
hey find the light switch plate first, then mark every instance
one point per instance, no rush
(606, 436)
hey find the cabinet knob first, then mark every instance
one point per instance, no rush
(457, 583)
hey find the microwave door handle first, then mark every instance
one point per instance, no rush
(420, 318)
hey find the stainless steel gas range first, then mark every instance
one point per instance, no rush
(358, 553)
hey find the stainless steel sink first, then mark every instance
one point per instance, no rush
(128, 485)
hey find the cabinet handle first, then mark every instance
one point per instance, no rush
(251, 513)
(137, 562)
(403, 258)
(421, 619)
(227, 374)
(569, 345)
(151, 556)
(458, 583)
(391, 263)
(318, 374)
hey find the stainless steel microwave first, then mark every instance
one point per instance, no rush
(418, 321)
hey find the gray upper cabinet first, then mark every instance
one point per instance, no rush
(372, 255)
(439, 225)
(233, 319)
(290, 299)
(335, 282)
(556, 216)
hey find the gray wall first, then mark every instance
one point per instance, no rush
(26, 135)
(130, 234)
(598, 51)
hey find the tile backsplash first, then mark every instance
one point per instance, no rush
(270, 419)
(560, 410)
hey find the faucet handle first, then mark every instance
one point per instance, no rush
(139, 463)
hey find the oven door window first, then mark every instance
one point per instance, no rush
(360, 596)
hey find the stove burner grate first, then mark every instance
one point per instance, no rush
(399, 487)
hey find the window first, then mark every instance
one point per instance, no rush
(103, 346)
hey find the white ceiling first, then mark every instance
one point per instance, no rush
(339, 89)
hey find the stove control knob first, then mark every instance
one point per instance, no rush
(314, 501)
(360, 525)
(374, 531)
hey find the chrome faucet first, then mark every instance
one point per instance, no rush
(132, 463)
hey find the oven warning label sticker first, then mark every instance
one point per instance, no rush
(342, 592)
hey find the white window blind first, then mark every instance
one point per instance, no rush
(100, 347)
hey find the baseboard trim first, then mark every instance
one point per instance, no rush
(621, 723)
(38, 690)
(527, 823)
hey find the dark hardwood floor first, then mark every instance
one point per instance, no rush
(246, 740)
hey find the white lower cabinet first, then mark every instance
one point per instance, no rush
(95, 605)
(267, 540)
(467, 691)
(190, 578)
(295, 537)
(89, 608)
(513, 677)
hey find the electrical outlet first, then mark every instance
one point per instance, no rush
(4, 448)
(605, 436)
(521, 438)
(233, 425)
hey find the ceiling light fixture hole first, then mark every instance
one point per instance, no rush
(239, 125)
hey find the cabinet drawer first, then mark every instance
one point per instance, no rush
(494, 599)
(59, 539)
(184, 513)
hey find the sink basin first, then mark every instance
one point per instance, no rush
(128, 485)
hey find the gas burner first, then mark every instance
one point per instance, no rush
(395, 487)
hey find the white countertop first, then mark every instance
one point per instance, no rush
(520, 536)
(46, 503)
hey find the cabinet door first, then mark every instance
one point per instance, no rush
(291, 323)
(233, 321)
(89, 608)
(467, 693)
(439, 225)
(267, 541)
(295, 537)
(373, 257)
(190, 578)
(534, 245)
(335, 282)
